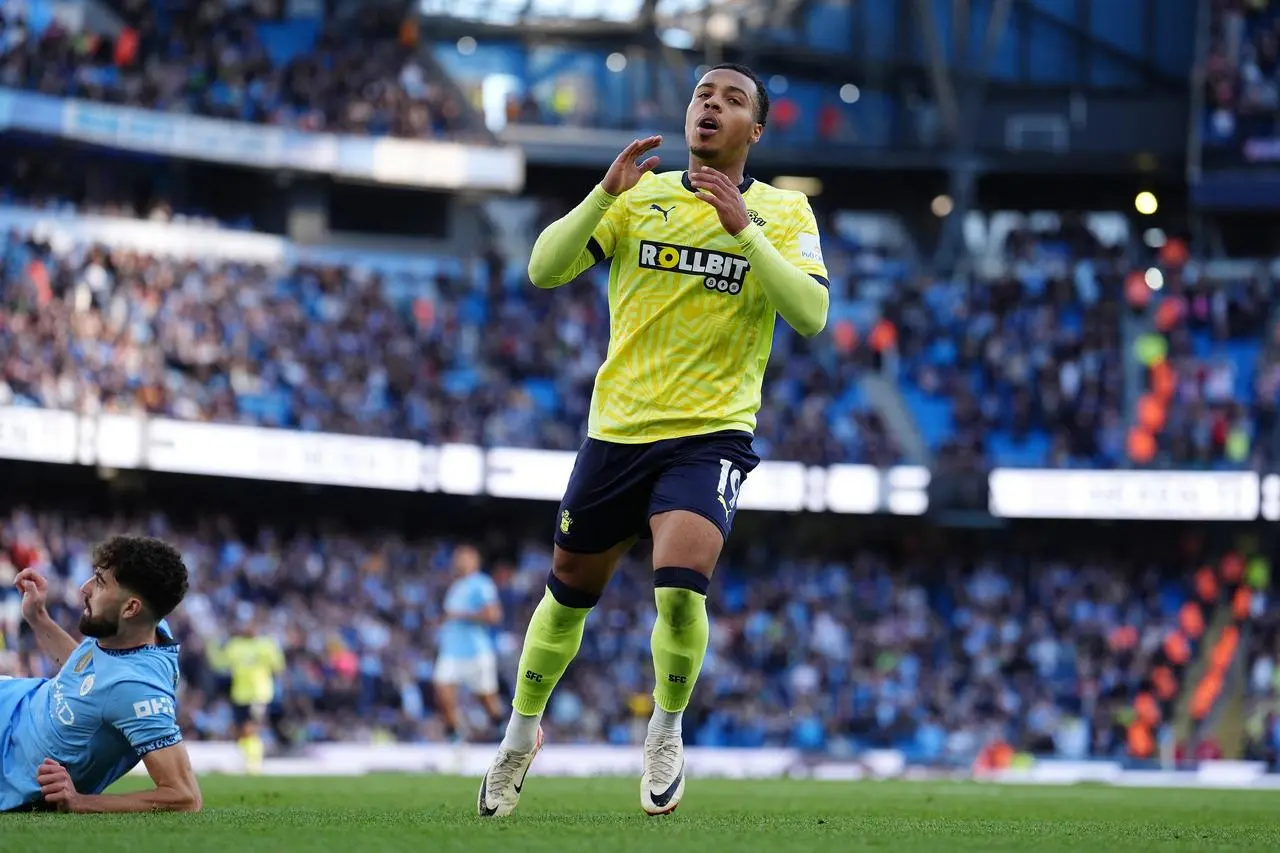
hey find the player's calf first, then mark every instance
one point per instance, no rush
(679, 645)
(551, 642)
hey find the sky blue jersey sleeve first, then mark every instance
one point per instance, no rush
(146, 713)
(483, 591)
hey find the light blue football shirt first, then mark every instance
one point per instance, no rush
(461, 639)
(97, 717)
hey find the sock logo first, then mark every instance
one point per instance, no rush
(535, 677)
(677, 679)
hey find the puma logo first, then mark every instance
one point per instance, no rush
(665, 213)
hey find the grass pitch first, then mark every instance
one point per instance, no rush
(429, 813)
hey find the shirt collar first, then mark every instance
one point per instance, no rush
(747, 181)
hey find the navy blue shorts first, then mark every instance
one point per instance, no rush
(616, 488)
(241, 714)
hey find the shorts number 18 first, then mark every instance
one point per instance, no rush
(730, 482)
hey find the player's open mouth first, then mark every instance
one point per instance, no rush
(707, 126)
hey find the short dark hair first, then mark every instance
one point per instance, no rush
(762, 94)
(149, 568)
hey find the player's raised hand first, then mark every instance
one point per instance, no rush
(35, 593)
(717, 190)
(56, 786)
(625, 172)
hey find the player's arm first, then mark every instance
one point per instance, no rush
(176, 788)
(277, 658)
(795, 282)
(586, 235)
(485, 611)
(53, 641)
(490, 614)
(145, 713)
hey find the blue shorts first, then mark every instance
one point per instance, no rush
(616, 488)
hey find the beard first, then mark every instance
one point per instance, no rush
(98, 627)
(704, 152)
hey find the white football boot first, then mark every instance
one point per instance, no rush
(500, 789)
(662, 784)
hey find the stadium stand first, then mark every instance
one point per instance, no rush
(236, 341)
(935, 650)
(227, 60)
(969, 350)
(567, 85)
(1019, 363)
(1241, 91)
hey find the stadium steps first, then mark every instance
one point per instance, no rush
(1211, 705)
(930, 416)
(1228, 721)
(1135, 376)
(888, 402)
(1183, 724)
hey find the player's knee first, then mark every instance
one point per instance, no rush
(579, 577)
(681, 595)
(570, 595)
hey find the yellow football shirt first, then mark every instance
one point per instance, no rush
(690, 327)
(253, 663)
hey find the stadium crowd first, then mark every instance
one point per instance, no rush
(468, 354)
(1025, 355)
(1018, 362)
(1212, 374)
(938, 650)
(1242, 73)
(237, 61)
(1262, 723)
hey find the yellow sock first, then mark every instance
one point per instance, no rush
(552, 641)
(254, 751)
(679, 644)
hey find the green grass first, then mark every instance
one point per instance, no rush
(437, 814)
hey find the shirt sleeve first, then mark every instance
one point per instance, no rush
(145, 713)
(571, 245)
(486, 592)
(277, 657)
(802, 247)
(607, 233)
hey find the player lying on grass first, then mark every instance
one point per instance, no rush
(64, 740)
(703, 261)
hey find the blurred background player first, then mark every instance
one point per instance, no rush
(467, 657)
(696, 282)
(254, 659)
(114, 699)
